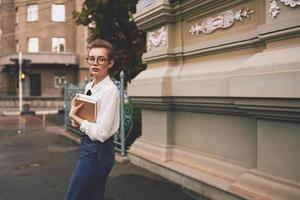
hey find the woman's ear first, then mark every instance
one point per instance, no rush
(111, 63)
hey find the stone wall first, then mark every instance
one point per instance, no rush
(220, 99)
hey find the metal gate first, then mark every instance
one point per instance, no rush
(70, 91)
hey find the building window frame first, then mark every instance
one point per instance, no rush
(32, 13)
(58, 44)
(58, 12)
(59, 80)
(17, 15)
(33, 45)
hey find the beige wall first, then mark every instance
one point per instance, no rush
(220, 110)
(279, 147)
(213, 134)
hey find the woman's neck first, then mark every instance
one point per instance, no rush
(98, 79)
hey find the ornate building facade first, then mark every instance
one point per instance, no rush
(220, 97)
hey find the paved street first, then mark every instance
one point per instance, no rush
(37, 164)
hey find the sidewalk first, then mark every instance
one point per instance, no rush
(37, 164)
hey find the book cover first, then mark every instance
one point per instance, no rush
(89, 109)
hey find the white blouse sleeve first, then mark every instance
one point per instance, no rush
(107, 122)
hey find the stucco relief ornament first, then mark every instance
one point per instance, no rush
(274, 9)
(224, 20)
(291, 3)
(160, 39)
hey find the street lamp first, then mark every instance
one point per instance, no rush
(21, 76)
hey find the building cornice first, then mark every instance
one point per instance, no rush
(279, 30)
(195, 8)
(153, 16)
(160, 13)
(264, 108)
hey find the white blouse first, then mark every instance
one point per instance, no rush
(107, 121)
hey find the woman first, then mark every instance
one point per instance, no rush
(97, 151)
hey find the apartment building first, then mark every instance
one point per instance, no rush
(45, 32)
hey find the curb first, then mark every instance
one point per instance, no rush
(36, 112)
(121, 159)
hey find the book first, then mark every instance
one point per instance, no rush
(89, 109)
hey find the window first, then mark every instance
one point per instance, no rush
(59, 80)
(17, 16)
(58, 13)
(33, 45)
(58, 45)
(32, 13)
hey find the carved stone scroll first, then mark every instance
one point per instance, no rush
(224, 20)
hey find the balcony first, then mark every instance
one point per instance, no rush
(44, 58)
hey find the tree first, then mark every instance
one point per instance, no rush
(111, 20)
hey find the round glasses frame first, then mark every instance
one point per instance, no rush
(99, 60)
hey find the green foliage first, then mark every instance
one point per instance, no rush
(112, 20)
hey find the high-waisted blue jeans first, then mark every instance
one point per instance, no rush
(91, 171)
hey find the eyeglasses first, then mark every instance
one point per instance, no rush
(99, 60)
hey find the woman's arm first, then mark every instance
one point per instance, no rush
(76, 121)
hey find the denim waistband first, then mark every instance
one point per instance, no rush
(86, 139)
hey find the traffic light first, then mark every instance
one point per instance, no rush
(23, 76)
(26, 69)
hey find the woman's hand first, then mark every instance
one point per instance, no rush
(75, 120)
(74, 124)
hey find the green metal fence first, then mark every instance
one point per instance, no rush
(70, 90)
(126, 122)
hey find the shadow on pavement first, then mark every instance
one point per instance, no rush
(137, 187)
